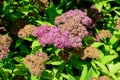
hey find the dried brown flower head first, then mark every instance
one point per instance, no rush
(42, 55)
(5, 42)
(90, 52)
(64, 55)
(36, 62)
(26, 31)
(43, 4)
(104, 34)
(118, 27)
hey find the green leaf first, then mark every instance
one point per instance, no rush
(24, 9)
(97, 44)
(108, 58)
(23, 48)
(113, 40)
(4, 74)
(65, 76)
(69, 69)
(118, 48)
(34, 77)
(89, 74)
(54, 62)
(60, 69)
(100, 3)
(101, 66)
(114, 68)
(52, 13)
(84, 72)
(19, 59)
(47, 74)
(117, 1)
(18, 42)
(35, 43)
(115, 37)
(20, 70)
(71, 77)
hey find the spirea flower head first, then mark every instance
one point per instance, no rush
(5, 42)
(51, 35)
(39, 31)
(72, 16)
(36, 62)
(62, 41)
(75, 23)
(104, 34)
(90, 52)
(26, 31)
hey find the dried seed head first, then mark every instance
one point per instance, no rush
(26, 31)
(90, 52)
(104, 34)
(5, 42)
(36, 62)
(43, 4)
(64, 55)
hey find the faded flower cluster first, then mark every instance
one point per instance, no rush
(104, 34)
(90, 52)
(118, 24)
(43, 4)
(36, 62)
(101, 78)
(26, 31)
(98, 15)
(5, 42)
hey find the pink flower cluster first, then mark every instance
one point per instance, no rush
(51, 35)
